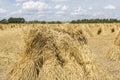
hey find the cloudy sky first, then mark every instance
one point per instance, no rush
(63, 10)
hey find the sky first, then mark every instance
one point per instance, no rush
(59, 10)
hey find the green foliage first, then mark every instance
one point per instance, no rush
(4, 21)
(16, 20)
(36, 21)
(96, 21)
(45, 22)
(12, 20)
(22, 20)
(54, 22)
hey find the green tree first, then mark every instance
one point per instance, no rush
(4, 21)
(16, 20)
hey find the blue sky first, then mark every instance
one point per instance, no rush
(62, 10)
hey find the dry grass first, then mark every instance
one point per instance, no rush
(59, 52)
(52, 54)
(117, 40)
(114, 52)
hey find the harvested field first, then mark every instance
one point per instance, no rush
(59, 52)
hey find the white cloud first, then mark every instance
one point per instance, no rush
(37, 5)
(20, 0)
(57, 6)
(94, 14)
(110, 7)
(3, 10)
(16, 12)
(79, 11)
(16, 4)
(59, 12)
(64, 8)
(90, 8)
(60, 7)
(60, 0)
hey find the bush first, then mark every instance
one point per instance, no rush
(16, 20)
(4, 21)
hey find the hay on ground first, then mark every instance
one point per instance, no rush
(113, 54)
(117, 39)
(50, 54)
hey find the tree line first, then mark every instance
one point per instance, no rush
(95, 21)
(12, 20)
(45, 22)
(22, 20)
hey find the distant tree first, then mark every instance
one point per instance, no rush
(58, 22)
(95, 21)
(36, 21)
(54, 22)
(4, 21)
(43, 22)
(51, 22)
(16, 20)
(73, 21)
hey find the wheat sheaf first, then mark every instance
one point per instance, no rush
(55, 54)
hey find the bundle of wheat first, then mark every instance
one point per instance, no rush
(117, 39)
(51, 54)
(1, 27)
(113, 53)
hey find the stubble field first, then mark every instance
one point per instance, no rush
(59, 51)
